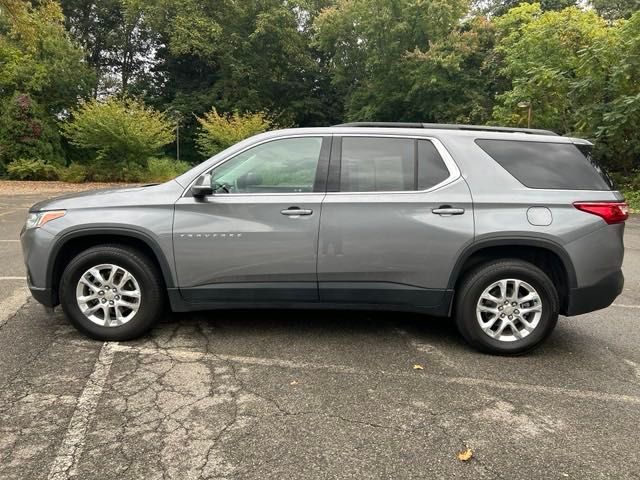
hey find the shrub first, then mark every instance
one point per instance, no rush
(27, 132)
(163, 169)
(74, 173)
(218, 132)
(122, 132)
(30, 169)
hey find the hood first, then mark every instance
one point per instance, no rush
(140, 195)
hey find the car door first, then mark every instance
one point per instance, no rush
(396, 215)
(256, 238)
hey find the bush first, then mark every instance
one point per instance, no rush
(122, 132)
(26, 132)
(30, 169)
(163, 169)
(74, 173)
(218, 132)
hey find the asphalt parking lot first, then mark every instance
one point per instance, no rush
(298, 394)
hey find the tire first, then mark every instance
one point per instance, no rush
(472, 300)
(143, 276)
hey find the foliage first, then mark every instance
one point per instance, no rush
(163, 169)
(41, 73)
(453, 81)
(27, 132)
(367, 42)
(303, 63)
(608, 94)
(122, 133)
(614, 9)
(218, 131)
(38, 58)
(31, 169)
(74, 173)
(497, 8)
(541, 55)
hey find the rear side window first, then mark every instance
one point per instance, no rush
(547, 165)
(371, 164)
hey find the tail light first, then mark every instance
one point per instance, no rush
(610, 212)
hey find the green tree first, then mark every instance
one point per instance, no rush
(614, 9)
(608, 94)
(455, 79)
(218, 132)
(27, 133)
(41, 75)
(540, 55)
(122, 133)
(117, 41)
(367, 42)
(496, 8)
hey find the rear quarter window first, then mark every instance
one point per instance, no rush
(547, 165)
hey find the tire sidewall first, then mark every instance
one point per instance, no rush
(466, 314)
(149, 293)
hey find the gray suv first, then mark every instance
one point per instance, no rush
(503, 229)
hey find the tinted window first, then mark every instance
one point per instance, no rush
(282, 166)
(546, 165)
(389, 165)
(431, 168)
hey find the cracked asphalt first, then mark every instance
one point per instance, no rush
(311, 395)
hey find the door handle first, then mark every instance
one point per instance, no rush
(296, 211)
(447, 210)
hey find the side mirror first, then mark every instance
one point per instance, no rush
(201, 190)
(202, 187)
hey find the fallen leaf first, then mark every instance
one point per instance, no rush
(294, 382)
(417, 366)
(465, 455)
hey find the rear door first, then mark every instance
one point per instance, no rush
(396, 215)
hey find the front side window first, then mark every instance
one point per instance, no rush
(281, 166)
(371, 164)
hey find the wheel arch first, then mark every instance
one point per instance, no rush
(545, 253)
(74, 242)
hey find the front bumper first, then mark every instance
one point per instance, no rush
(597, 296)
(43, 295)
(36, 248)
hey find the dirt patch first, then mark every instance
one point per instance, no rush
(14, 187)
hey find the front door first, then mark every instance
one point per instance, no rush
(256, 238)
(396, 215)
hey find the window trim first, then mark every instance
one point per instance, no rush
(320, 180)
(333, 182)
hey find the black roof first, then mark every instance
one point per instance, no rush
(446, 126)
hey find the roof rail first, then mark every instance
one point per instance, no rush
(446, 126)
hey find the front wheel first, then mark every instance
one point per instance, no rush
(111, 292)
(506, 307)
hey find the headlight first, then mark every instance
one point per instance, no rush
(38, 219)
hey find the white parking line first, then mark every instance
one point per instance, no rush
(9, 241)
(469, 381)
(13, 278)
(624, 306)
(70, 450)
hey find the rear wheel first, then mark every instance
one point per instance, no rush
(111, 292)
(506, 307)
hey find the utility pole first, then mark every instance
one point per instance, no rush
(177, 117)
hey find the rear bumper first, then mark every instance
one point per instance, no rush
(597, 296)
